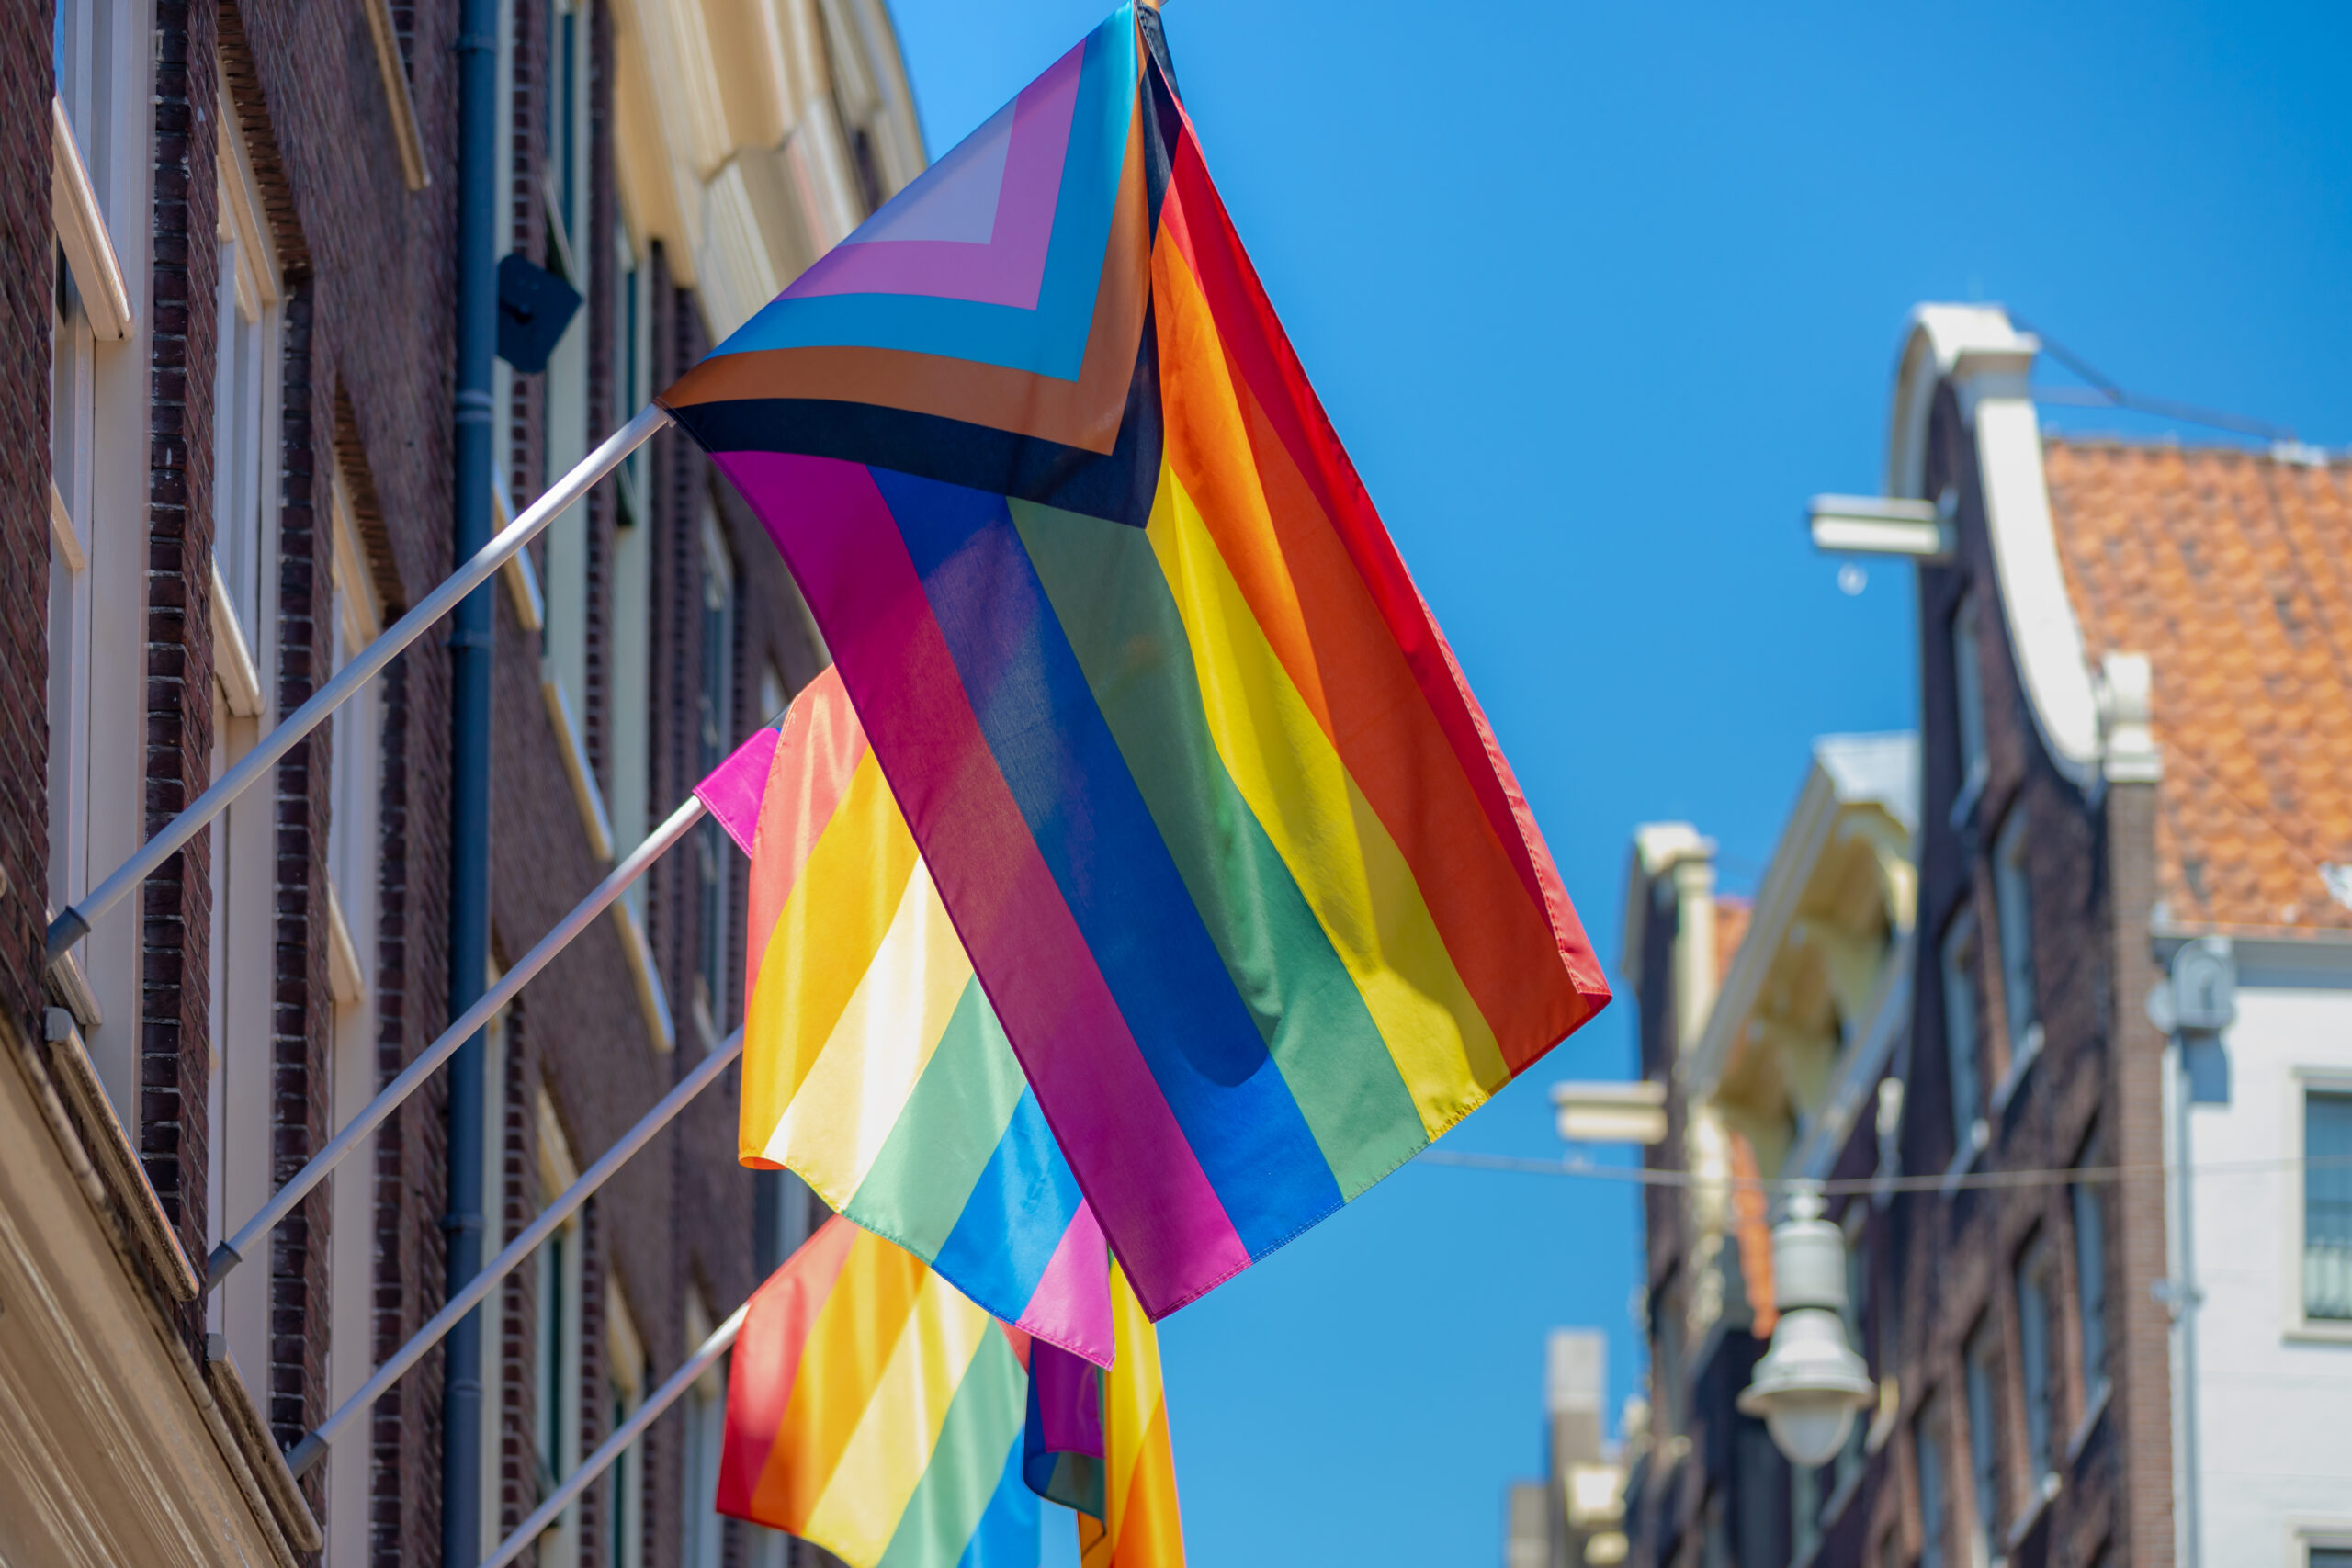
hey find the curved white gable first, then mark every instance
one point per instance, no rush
(1988, 361)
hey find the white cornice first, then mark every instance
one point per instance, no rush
(1989, 364)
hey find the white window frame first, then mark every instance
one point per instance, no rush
(356, 617)
(248, 376)
(97, 711)
(2305, 1082)
(247, 461)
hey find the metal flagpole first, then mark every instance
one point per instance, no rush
(306, 1454)
(627, 1432)
(71, 925)
(233, 1251)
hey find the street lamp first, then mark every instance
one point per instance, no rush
(1810, 1382)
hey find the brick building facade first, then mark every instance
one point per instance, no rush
(2130, 745)
(231, 231)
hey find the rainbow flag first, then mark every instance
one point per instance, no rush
(1258, 903)
(873, 1410)
(1097, 1443)
(873, 1064)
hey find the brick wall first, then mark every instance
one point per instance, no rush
(301, 1003)
(1955, 1256)
(175, 1048)
(27, 251)
(366, 395)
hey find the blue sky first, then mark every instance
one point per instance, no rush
(1597, 296)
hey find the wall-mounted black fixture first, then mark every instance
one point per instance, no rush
(534, 307)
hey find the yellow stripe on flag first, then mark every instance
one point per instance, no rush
(884, 1457)
(838, 914)
(835, 1127)
(1144, 1529)
(1347, 866)
(849, 1347)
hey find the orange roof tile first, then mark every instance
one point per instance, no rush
(2232, 571)
(1732, 914)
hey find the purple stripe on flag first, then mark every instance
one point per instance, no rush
(733, 789)
(1068, 1402)
(1139, 1174)
(1011, 267)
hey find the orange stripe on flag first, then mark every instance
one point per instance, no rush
(847, 1346)
(768, 1354)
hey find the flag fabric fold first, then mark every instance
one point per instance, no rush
(1097, 1443)
(1062, 1446)
(873, 1064)
(874, 1411)
(1233, 852)
(1139, 1525)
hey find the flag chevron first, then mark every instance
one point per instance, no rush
(1234, 855)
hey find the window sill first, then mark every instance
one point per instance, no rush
(584, 793)
(650, 997)
(2029, 1052)
(82, 234)
(2320, 1331)
(2089, 1423)
(346, 976)
(233, 653)
(522, 580)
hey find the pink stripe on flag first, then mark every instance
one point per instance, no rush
(733, 789)
(1075, 1289)
(1131, 1158)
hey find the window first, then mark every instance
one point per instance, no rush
(2013, 894)
(1963, 1050)
(2330, 1557)
(1935, 1511)
(716, 714)
(2090, 1280)
(1968, 700)
(556, 1380)
(244, 402)
(1987, 1527)
(2037, 1281)
(97, 515)
(628, 1372)
(632, 362)
(706, 1437)
(2327, 1207)
(242, 957)
(566, 131)
(355, 617)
